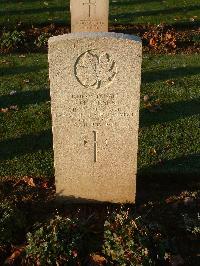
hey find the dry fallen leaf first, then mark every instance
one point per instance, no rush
(170, 82)
(16, 253)
(26, 80)
(152, 151)
(96, 260)
(29, 181)
(45, 185)
(4, 110)
(13, 92)
(4, 62)
(153, 42)
(22, 56)
(14, 107)
(146, 98)
(168, 36)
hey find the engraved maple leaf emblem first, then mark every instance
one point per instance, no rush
(95, 70)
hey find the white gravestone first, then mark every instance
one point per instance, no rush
(95, 95)
(89, 15)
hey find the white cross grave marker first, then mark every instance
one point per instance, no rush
(89, 15)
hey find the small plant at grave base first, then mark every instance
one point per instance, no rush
(55, 243)
(12, 223)
(129, 241)
(11, 41)
(42, 40)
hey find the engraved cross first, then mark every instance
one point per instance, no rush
(90, 3)
(95, 146)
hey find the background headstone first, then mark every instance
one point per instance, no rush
(89, 15)
(95, 94)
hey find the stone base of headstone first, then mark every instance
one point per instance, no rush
(95, 94)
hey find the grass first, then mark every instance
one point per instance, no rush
(25, 134)
(174, 131)
(168, 139)
(28, 13)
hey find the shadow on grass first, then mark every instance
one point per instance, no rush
(165, 74)
(170, 112)
(168, 177)
(6, 71)
(24, 98)
(153, 12)
(32, 11)
(130, 2)
(26, 144)
(17, 1)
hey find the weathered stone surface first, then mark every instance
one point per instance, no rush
(95, 95)
(89, 15)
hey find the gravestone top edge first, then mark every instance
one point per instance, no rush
(94, 35)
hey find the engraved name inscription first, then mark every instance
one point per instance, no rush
(94, 69)
(98, 110)
(91, 24)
